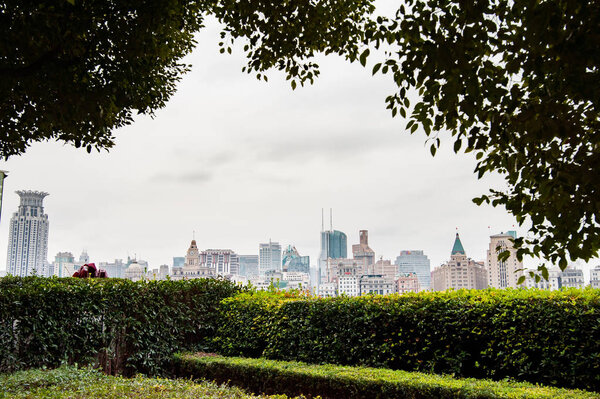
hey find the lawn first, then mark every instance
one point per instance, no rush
(78, 383)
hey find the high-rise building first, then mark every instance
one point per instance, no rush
(334, 245)
(362, 251)
(503, 273)
(223, 262)
(64, 264)
(292, 261)
(459, 272)
(248, 266)
(269, 257)
(415, 262)
(28, 236)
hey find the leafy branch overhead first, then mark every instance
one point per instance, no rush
(517, 83)
(77, 70)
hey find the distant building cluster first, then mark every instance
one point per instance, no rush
(285, 268)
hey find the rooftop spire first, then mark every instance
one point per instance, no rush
(457, 248)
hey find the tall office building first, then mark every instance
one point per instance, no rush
(334, 245)
(362, 251)
(503, 273)
(28, 236)
(269, 257)
(459, 272)
(415, 262)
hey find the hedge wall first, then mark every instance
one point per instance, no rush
(124, 327)
(328, 381)
(550, 337)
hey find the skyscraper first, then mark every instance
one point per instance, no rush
(269, 257)
(28, 236)
(415, 262)
(503, 273)
(362, 251)
(334, 245)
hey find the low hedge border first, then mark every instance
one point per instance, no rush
(329, 381)
(546, 337)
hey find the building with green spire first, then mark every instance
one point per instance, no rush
(460, 272)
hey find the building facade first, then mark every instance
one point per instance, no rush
(415, 262)
(64, 264)
(28, 236)
(503, 273)
(222, 262)
(192, 267)
(292, 261)
(408, 282)
(361, 251)
(459, 272)
(248, 266)
(334, 245)
(376, 284)
(269, 257)
(595, 277)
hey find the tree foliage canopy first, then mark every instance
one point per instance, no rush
(76, 70)
(517, 83)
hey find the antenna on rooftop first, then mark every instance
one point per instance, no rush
(322, 219)
(330, 219)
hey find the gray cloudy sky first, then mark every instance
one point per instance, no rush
(241, 162)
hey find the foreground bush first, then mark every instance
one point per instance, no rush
(121, 325)
(70, 382)
(550, 337)
(328, 381)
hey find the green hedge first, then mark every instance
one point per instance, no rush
(328, 381)
(550, 337)
(123, 326)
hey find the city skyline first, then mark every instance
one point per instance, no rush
(241, 161)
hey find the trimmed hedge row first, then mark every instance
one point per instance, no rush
(328, 381)
(124, 327)
(549, 337)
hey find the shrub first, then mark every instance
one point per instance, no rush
(328, 381)
(121, 325)
(550, 337)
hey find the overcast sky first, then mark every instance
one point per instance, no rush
(240, 162)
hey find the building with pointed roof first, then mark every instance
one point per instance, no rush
(459, 272)
(192, 267)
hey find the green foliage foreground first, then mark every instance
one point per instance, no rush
(122, 326)
(548, 337)
(71, 382)
(293, 378)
